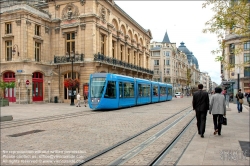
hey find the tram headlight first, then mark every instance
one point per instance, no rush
(92, 100)
(98, 101)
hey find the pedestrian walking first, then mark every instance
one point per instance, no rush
(85, 100)
(224, 92)
(78, 97)
(247, 95)
(217, 107)
(201, 106)
(239, 96)
(231, 98)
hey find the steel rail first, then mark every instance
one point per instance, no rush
(168, 148)
(84, 161)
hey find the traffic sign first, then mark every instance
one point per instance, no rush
(27, 82)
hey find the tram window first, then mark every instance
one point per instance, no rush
(128, 89)
(139, 90)
(120, 90)
(169, 91)
(110, 90)
(155, 91)
(162, 91)
(144, 90)
(97, 87)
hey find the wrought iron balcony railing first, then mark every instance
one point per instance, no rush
(112, 61)
(64, 59)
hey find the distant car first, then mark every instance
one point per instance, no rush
(178, 94)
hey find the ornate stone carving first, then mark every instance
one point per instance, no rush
(96, 1)
(57, 7)
(82, 2)
(70, 11)
(18, 22)
(103, 13)
(28, 22)
(83, 26)
(46, 29)
(126, 37)
(57, 30)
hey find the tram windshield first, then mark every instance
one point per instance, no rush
(97, 87)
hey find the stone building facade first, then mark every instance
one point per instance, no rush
(205, 79)
(237, 57)
(172, 65)
(38, 42)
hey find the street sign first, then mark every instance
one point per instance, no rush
(27, 82)
(19, 71)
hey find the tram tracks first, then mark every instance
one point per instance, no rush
(22, 122)
(129, 150)
(159, 159)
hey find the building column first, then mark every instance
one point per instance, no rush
(118, 50)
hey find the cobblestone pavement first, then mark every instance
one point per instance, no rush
(86, 134)
(67, 141)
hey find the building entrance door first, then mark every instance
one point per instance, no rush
(37, 87)
(10, 93)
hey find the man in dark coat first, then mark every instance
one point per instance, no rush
(201, 106)
(239, 96)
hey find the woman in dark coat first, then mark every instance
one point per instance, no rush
(218, 108)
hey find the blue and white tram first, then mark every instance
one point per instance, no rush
(112, 91)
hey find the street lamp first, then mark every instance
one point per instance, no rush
(71, 58)
(14, 50)
(49, 89)
(238, 78)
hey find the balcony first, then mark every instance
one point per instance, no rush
(115, 62)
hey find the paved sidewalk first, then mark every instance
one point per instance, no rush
(224, 149)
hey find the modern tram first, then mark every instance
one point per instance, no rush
(112, 91)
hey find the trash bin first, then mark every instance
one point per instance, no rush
(56, 99)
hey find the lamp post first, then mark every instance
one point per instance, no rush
(238, 78)
(49, 90)
(71, 58)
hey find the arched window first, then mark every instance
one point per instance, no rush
(9, 75)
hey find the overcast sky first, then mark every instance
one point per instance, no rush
(183, 21)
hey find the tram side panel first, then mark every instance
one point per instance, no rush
(155, 94)
(169, 92)
(163, 92)
(144, 91)
(126, 89)
(110, 97)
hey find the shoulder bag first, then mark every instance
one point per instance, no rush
(240, 100)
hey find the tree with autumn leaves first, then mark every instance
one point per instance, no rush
(71, 83)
